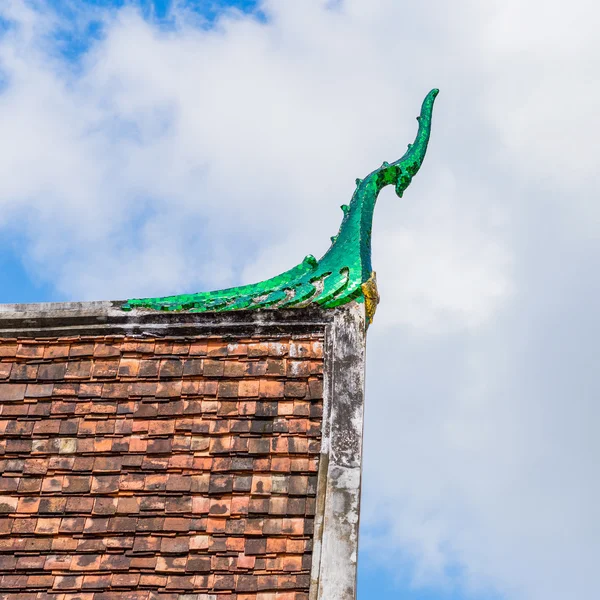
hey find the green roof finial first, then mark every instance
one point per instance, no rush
(343, 274)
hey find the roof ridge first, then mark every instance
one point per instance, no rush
(341, 275)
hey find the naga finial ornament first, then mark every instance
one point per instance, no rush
(343, 274)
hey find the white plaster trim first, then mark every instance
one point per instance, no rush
(335, 542)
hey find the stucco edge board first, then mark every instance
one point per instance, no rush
(335, 550)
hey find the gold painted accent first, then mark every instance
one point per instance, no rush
(369, 290)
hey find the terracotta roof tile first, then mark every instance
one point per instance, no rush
(133, 468)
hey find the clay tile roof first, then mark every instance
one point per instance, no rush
(164, 465)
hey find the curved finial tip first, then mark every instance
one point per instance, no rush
(429, 99)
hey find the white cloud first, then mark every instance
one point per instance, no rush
(194, 158)
(441, 262)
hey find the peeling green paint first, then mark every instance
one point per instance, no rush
(338, 277)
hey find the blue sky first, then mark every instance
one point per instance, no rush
(155, 148)
(21, 284)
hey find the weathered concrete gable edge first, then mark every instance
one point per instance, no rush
(335, 552)
(98, 318)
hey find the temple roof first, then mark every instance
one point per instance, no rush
(152, 454)
(192, 446)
